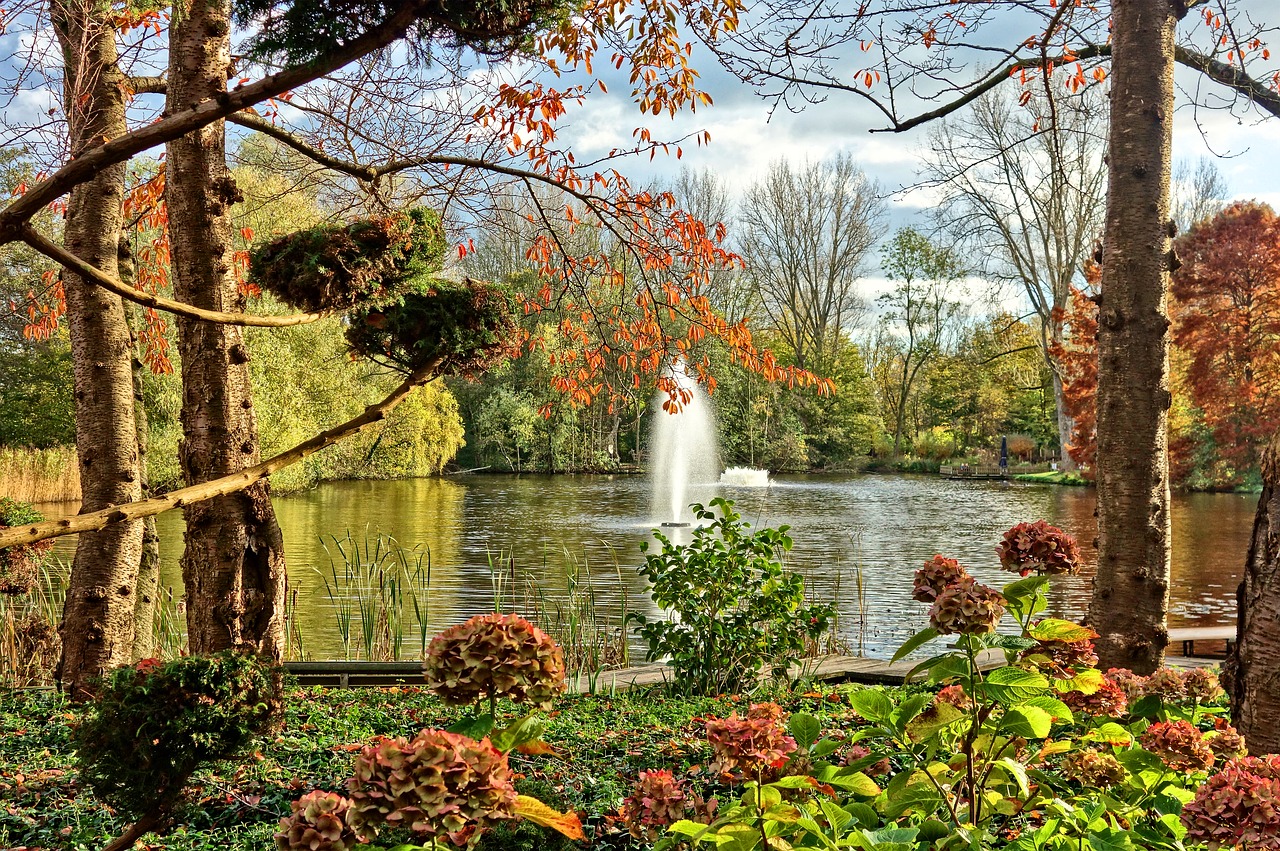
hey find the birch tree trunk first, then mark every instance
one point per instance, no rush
(233, 565)
(98, 619)
(1131, 591)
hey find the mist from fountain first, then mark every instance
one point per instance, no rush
(683, 452)
(745, 477)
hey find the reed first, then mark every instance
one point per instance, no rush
(29, 642)
(39, 475)
(379, 590)
(592, 640)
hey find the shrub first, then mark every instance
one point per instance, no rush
(437, 784)
(153, 724)
(468, 326)
(20, 564)
(1038, 547)
(492, 656)
(731, 608)
(1239, 807)
(367, 263)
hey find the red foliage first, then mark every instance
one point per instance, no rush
(1077, 358)
(750, 747)
(1226, 318)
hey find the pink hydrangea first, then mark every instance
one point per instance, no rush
(937, 573)
(1109, 701)
(749, 747)
(1038, 547)
(657, 801)
(1180, 745)
(1239, 807)
(317, 822)
(966, 608)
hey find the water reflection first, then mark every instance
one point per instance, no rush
(882, 526)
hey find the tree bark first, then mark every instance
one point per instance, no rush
(1131, 590)
(1251, 673)
(233, 565)
(98, 619)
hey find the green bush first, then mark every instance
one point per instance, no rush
(732, 608)
(154, 724)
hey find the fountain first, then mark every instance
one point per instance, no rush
(745, 477)
(682, 451)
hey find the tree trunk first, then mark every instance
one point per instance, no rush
(98, 619)
(1065, 423)
(148, 584)
(233, 565)
(1251, 673)
(1131, 590)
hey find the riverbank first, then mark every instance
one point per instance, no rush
(1054, 477)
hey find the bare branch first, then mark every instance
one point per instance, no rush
(56, 252)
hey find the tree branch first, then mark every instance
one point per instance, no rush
(233, 483)
(1230, 76)
(121, 148)
(149, 85)
(93, 273)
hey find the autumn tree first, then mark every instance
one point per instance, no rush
(1023, 187)
(1077, 356)
(1226, 318)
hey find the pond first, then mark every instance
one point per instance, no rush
(871, 531)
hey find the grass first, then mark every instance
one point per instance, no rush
(601, 744)
(39, 475)
(1055, 477)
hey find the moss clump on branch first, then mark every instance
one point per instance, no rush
(304, 31)
(369, 262)
(468, 325)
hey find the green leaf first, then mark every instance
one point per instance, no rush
(1023, 589)
(920, 798)
(1059, 710)
(1111, 733)
(836, 817)
(1028, 721)
(942, 715)
(909, 709)
(1086, 681)
(795, 781)
(826, 747)
(922, 637)
(1018, 772)
(852, 781)
(1111, 839)
(953, 667)
(864, 814)
(1054, 629)
(1146, 707)
(473, 726)
(932, 830)
(1010, 685)
(1138, 760)
(805, 729)
(525, 729)
(871, 704)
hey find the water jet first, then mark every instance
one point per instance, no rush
(683, 455)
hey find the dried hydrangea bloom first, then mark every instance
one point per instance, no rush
(437, 784)
(854, 753)
(1060, 658)
(1109, 701)
(1181, 746)
(1201, 685)
(1239, 807)
(317, 822)
(492, 656)
(752, 746)
(1038, 547)
(966, 608)
(1091, 768)
(937, 573)
(1166, 684)
(1133, 685)
(658, 800)
(1225, 741)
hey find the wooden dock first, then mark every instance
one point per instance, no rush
(849, 669)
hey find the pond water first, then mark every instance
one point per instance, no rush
(877, 527)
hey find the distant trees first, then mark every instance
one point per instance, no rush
(1025, 188)
(919, 314)
(805, 235)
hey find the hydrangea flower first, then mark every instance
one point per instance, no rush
(1109, 701)
(1038, 547)
(750, 746)
(437, 784)
(937, 573)
(317, 822)
(658, 800)
(1092, 768)
(966, 608)
(1239, 807)
(1180, 745)
(492, 656)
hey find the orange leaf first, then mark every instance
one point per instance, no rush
(536, 748)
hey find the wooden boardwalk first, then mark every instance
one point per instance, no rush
(851, 669)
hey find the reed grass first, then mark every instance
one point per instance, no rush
(29, 643)
(379, 591)
(39, 475)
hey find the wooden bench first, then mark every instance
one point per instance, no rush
(1190, 635)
